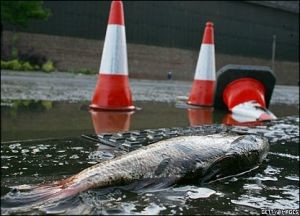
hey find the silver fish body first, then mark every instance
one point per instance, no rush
(175, 159)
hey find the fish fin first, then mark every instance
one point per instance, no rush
(211, 174)
(218, 169)
(226, 166)
(150, 184)
(35, 196)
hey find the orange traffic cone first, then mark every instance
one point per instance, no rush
(110, 121)
(202, 93)
(112, 90)
(245, 91)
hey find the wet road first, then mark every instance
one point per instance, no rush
(274, 185)
(58, 86)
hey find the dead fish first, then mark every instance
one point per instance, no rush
(165, 162)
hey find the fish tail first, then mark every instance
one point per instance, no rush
(33, 196)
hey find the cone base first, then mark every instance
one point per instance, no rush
(202, 93)
(204, 106)
(126, 108)
(112, 93)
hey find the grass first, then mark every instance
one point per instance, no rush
(48, 67)
(15, 64)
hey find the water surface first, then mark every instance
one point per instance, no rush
(29, 119)
(41, 142)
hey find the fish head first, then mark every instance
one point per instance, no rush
(250, 147)
(244, 154)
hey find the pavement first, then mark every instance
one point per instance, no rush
(61, 86)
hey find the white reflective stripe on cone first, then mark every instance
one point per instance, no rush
(114, 55)
(206, 68)
(250, 109)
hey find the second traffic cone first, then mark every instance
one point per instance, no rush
(202, 93)
(245, 91)
(112, 90)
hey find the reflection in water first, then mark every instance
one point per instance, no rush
(200, 116)
(27, 105)
(110, 121)
(233, 119)
(274, 185)
(46, 119)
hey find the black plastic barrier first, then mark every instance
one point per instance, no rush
(229, 73)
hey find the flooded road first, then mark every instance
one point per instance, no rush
(41, 141)
(29, 119)
(36, 148)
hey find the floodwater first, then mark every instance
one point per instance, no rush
(29, 119)
(41, 141)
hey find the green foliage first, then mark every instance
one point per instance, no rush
(48, 66)
(27, 105)
(20, 12)
(14, 65)
(26, 66)
(4, 64)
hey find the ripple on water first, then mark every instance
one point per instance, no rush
(273, 186)
(289, 198)
(152, 209)
(198, 193)
(270, 170)
(292, 177)
(15, 145)
(101, 155)
(261, 177)
(251, 187)
(285, 155)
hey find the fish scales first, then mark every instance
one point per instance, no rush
(142, 163)
(200, 157)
